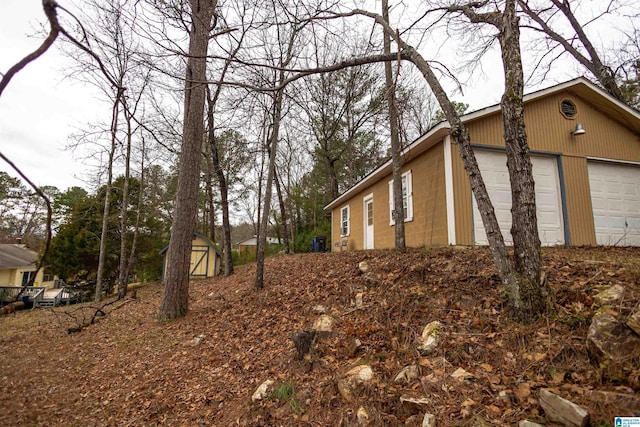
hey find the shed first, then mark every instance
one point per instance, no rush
(585, 150)
(206, 258)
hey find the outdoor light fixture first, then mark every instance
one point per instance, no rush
(579, 130)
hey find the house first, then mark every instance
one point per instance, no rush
(585, 151)
(206, 258)
(248, 246)
(18, 264)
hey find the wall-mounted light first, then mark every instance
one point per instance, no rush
(579, 130)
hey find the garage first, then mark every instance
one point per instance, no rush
(615, 199)
(493, 165)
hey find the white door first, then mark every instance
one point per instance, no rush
(368, 222)
(493, 165)
(615, 199)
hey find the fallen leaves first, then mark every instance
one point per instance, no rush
(203, 369)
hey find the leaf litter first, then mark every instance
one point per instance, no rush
(128, 369)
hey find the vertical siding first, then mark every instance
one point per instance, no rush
(462, 199)
(578, 200)
(429, 225)
(549, 131)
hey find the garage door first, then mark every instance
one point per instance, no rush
(615, 198)
(493, 165)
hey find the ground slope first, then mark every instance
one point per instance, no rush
(127, 369)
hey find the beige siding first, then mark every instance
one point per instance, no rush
(578, 200)
(429, 224)
(549, 131)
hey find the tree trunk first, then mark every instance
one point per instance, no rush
(283, 215)
(123, 271)
(396, 146)
(175, 298)
(107, 199)
(136, 230)
(524, 229)
(224, 190)
(264, 221)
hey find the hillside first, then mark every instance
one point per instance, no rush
(127, 369)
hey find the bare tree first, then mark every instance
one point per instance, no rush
(396, 146)
(578, 44)
(175, 297)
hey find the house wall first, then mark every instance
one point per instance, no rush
(549, 132)
(429, 224)
(13, 277)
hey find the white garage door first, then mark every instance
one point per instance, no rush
(493, 165)
(615, 198)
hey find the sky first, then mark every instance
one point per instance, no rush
(40, 109)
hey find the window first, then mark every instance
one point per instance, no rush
(26, 277)
(344, 221)
(568, 109)
(407, 198)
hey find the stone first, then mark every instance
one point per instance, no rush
(562, 410)
(609, 341)
(634, 322)
(324, 324)
(364, 267)
(197, 340)
(359, 300)
(319, 309)
(610, 295)
(419, 401)
(630, 401)
(361, 374)
(407, 374)
(363, 416)
(527, 423)
(371, 281)
(262, 391)
(430, 337)
(429, 420)
(461, 375)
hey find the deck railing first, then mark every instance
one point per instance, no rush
(34, 293)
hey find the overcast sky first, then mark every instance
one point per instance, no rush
(40, 109)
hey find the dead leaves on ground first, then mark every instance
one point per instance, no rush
(202, 370)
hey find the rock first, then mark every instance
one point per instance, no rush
(562, 410)
(610, 295)
(363, 267)
(527, 423)
(324, 325)
(197, 340)
(610, 341)
(363, 416)
(630, 401)
(359, 298)
(361, 374)
(262, 391)
(634, 322)
(430, 337)
(429, 420)
(461, 375)
(319, 309)
(407, 374)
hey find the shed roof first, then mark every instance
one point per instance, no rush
(16, 256)
(580, 86)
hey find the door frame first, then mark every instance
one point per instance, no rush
(366, 243)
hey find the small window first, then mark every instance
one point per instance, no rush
(344, 221)
(568, 109)
(407, 198)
